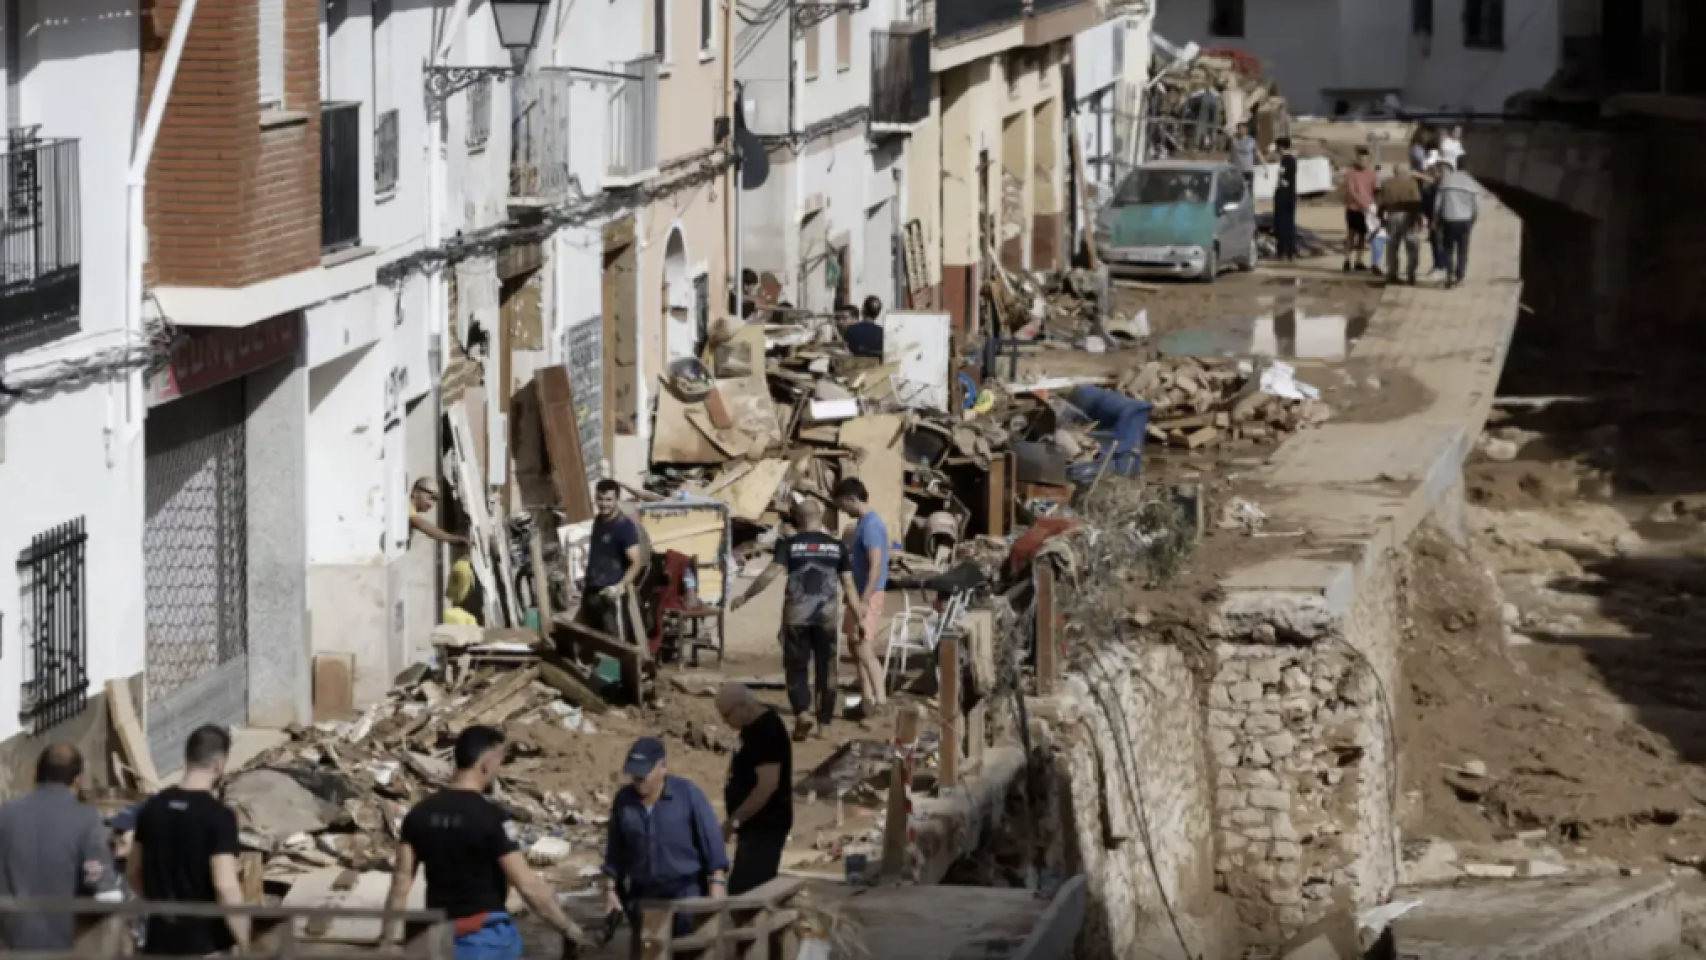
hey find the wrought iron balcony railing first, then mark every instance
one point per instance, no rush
(41, 270)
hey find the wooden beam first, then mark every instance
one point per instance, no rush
(132, 741)
(631, 658)
(1048, 650)
(563, 442)
(948, 708)
(895, 822)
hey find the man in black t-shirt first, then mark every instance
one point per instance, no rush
(759, 793)
(463, 841)
(820, 585)
(614, 561)
(185, 851)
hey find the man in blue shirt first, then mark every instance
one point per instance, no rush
(869, 549)
(664, 840)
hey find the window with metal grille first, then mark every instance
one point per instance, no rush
(1422, 17)
(55, 630)
(1484, 24)
(385, 154)
(1226, 18)
(479, 115)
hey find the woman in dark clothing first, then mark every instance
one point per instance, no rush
(1285, 202)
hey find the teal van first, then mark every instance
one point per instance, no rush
(1180, 219)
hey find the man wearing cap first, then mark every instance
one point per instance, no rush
(664, 841)
(422, 499)
(52, 846)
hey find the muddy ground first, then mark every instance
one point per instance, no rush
(1565, 646)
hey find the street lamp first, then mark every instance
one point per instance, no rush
(518, 30)
(518, 24)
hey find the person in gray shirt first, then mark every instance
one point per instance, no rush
(1243, 154)
(52, 846)
(1457, 204)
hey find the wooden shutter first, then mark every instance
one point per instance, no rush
(811, 51)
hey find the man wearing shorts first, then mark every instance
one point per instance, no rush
(869, 549)
(1362, 182)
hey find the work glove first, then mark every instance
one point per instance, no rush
(612, 923)
(611, 593)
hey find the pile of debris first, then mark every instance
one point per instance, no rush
(1198, 100)
(1200, 403)
(336, 794)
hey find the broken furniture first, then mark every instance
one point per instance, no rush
(697, 528)
(584, 642)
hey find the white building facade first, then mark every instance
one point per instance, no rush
(1433, 55)
(71, 471)
(827, 223)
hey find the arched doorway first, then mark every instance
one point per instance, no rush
(680, 337)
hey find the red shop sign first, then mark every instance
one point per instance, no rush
(207, 358)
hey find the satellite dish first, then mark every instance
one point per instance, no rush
(754, 159)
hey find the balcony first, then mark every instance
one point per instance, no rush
(41, 276)
(900, 77)
(633, 137)
(340, 176)
(963, 19)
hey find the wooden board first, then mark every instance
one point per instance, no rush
(750, 495)
(631, 658)
(470, 489)
(882, 465)
(334, 686)
(563, 442)
(132, 741)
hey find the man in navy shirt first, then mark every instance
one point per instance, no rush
(820, 587)
(664, 841)
(614, 561)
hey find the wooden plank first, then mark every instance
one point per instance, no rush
(563, 678)
(563, 442)
(470, 489)
(487, 703)
(948, 708)
(1048, 650)
(631, 659)
(750, 495)
(132, 741)
(895, 832)
(334, 686)
(998, 495)
(541, 577)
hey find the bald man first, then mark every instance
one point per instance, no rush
(52, 846)
(758, 794)
(820, 586)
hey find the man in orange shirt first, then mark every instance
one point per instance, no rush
(1361, 184)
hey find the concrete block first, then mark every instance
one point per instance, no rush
(1621, 918)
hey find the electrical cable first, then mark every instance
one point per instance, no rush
(1113, 707)
(684, 174)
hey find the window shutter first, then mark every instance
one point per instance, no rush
(271, 17)
(843, 40)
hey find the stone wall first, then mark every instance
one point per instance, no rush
(1301, 733)
(1134, 799)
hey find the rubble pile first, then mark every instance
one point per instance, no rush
(1196, 102)
(1198, 403)
(336, 794)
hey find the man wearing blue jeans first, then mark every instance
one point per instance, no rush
(1456, 206)
(463, 841)
(664, 841)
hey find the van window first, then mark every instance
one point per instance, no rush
(1166, 186)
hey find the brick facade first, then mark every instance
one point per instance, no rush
(232, 203)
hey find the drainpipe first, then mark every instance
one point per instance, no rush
(136, 188)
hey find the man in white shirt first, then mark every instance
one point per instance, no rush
(1451, 148)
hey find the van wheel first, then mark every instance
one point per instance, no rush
(1254, 256)
(1211, 269)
